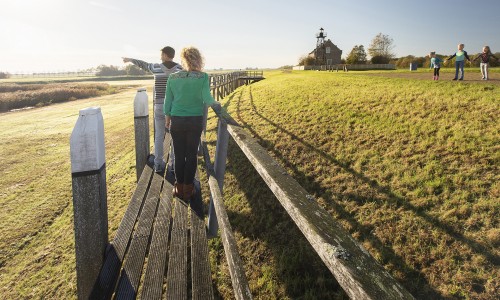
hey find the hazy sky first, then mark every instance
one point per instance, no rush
(67, 35)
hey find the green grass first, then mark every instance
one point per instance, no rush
(36, 216)
(409, 168)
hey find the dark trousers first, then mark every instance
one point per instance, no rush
(186, 132)
(436, 71)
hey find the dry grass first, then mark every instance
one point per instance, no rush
(16, 96)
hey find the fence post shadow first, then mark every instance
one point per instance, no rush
(278, 231)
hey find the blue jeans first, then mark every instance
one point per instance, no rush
(459, 65)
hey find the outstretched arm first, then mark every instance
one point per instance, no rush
(141, 64)
(466, 56)
(450, 57)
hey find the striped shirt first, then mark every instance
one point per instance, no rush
(160, 73)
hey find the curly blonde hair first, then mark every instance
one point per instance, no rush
(191, 59)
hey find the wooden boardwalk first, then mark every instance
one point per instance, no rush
(252, 76)
(160, 248)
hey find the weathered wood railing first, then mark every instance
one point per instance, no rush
(222, 85)
(354, 268)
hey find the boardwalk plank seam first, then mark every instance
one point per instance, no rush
(134, 261)
(177, 264)
(157, 257)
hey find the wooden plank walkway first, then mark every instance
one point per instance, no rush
(160, 248)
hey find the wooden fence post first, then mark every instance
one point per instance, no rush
(220, 169)
(212, 85)
(219, 90)
(141, 127)
(88, 172)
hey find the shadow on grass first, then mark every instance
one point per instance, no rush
(395, 199)
(415, 282)
(293, 259)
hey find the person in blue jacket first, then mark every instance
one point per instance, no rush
(436, 64)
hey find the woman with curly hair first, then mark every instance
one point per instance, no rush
(188, 91)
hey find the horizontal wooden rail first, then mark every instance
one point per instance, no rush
(355, 269)
(236, 269)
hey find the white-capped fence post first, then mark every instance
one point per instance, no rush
(88, 172)
(141, 126)
(220, 169)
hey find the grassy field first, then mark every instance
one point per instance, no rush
(408, 166)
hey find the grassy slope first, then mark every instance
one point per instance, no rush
(409, 167)
(37, 243)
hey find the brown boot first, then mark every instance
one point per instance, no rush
(188, 191)
(178, 190)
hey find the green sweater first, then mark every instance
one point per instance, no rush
(187, 93)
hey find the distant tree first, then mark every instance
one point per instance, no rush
(404, 62)
(357, 55)
(287, 67)
(381, 47)
(495, 63)
(378, 59)
(306, 60)
(104, 70)
(134, 70)
(4, 75)
(421, 62)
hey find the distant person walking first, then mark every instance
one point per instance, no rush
(436, 64)
(460, 55)
(485, 61)
(161, 73)
(188, 92)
